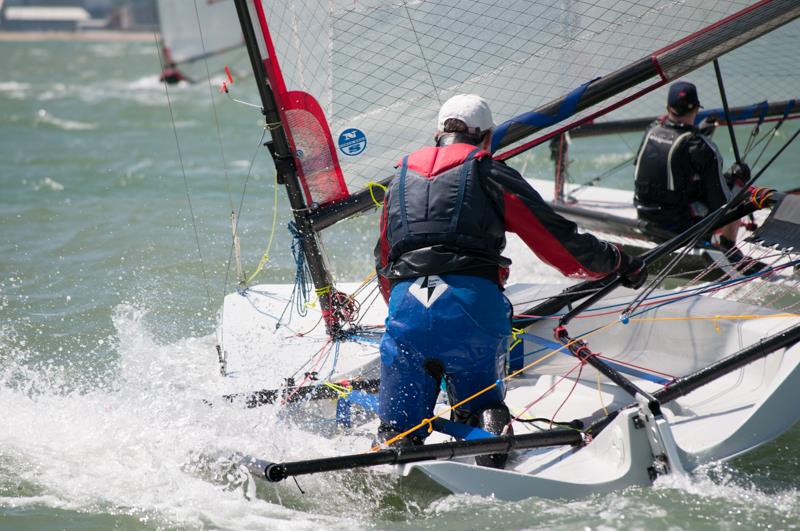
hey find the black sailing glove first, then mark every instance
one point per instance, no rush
(633, 271)
(738, 175)
(707, 125)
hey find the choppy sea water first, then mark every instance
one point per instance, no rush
(108, 310)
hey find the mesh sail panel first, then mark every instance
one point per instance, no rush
(314, 152)
(379, 70)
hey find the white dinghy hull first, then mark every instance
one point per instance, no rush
(721, 419)
(618, 458)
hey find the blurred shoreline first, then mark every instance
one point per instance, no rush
(91, 36)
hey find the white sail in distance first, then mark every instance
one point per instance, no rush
(183, 40)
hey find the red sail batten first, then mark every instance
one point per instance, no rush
(306, 130)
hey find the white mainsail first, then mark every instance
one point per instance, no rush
(379, 70)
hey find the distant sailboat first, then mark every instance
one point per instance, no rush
(193, 30)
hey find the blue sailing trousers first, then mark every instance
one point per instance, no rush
(452, 326)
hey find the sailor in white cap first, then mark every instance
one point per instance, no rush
(441, 268)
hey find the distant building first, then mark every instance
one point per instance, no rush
(134, 15)
(77, 15)
(29, 18)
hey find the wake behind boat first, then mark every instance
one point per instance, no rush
(596, 376)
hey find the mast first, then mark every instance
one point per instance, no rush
(559, 154)
(287, 172)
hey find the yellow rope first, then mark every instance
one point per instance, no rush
(716, 318)
(428, 421)
(324, 290)
(265, 256)
(368, 278)
(341, 391)
(372, 184)
(515, 333)
(759, 202)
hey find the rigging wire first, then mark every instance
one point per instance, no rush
(712, 289)
(213, 104)
(673, 296)
(715, 319)
(751, 139)
(241, 206)
(224, 161)
(422, 53)
(185, 180)
(265, 256)
(546, 392)
(724, 98)
(769, 136)
(607, 173)
(659, 278)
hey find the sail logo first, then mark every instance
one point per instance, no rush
(352, 142)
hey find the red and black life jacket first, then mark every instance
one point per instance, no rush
(439, 217)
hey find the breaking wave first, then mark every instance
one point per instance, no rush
(45, 117)
(14, 89)
(48, 184)
(145, 444)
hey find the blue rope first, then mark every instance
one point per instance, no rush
(335, 359)
(713, 287)
(301, 292)
(705, 289)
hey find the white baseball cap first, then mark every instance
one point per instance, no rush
(470, 109)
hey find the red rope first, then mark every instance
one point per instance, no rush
(319, 355)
